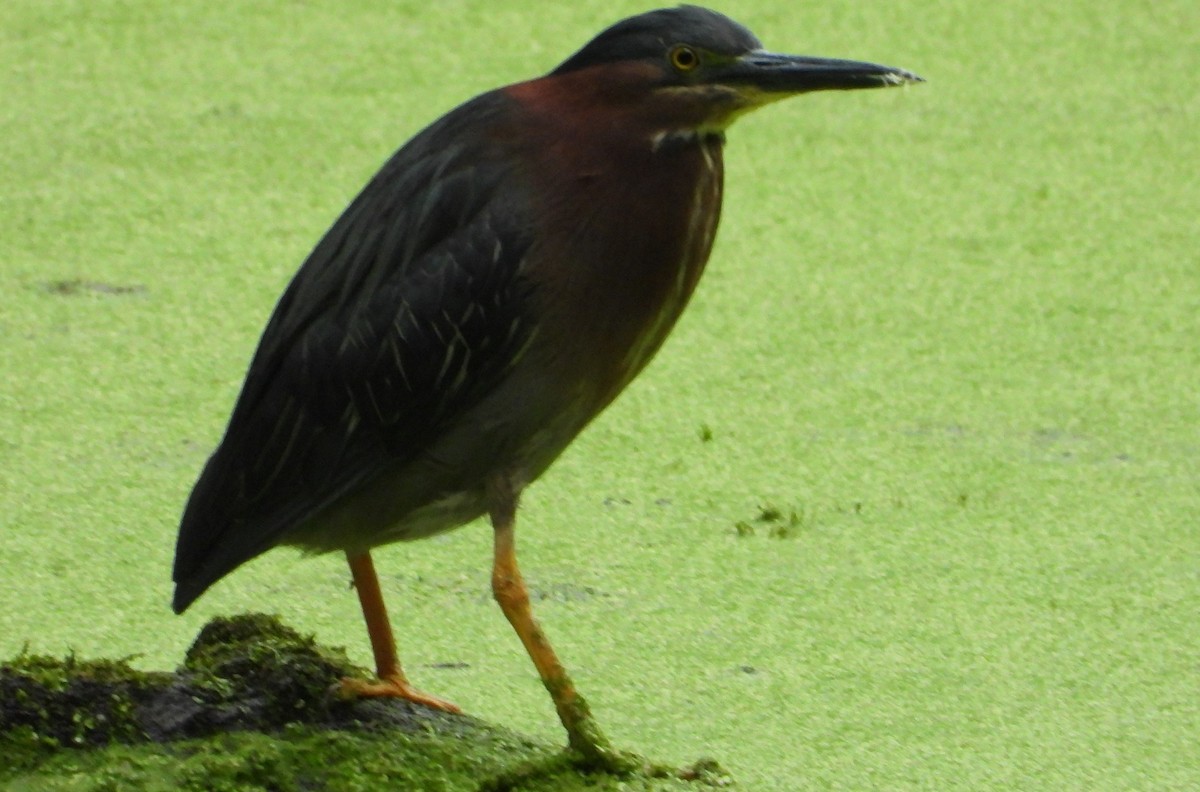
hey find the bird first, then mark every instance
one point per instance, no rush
(499, 281)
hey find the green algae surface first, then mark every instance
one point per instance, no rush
(952, 329)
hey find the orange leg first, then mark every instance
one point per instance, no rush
(392, 681)
(508, 587)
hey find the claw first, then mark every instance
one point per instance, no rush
(393, 687)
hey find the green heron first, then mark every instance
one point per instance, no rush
(496, 285)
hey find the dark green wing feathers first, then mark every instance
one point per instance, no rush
(400, 319)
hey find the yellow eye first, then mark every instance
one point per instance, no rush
(684, 58)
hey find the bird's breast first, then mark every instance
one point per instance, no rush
(624, 242)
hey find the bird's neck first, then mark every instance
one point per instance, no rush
(634, 214)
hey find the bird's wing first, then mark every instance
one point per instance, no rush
(408, 310)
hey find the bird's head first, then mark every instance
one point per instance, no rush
(693, 69)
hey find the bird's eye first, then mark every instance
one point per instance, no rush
(684, 58)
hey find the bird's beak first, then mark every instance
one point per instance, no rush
(774, 76)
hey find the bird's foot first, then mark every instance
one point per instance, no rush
(393, 686)
(606, 759)
(590, 750)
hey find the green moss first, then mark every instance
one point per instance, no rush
(57, 674)
(302, 758)
(48, 702)
(254, 654)
(263, 695)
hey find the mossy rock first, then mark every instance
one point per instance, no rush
(254, 707)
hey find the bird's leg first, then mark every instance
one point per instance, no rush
(508, 587)
(392, 681)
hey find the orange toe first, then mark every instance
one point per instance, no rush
(394, 687)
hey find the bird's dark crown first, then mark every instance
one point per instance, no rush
(652, 36)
